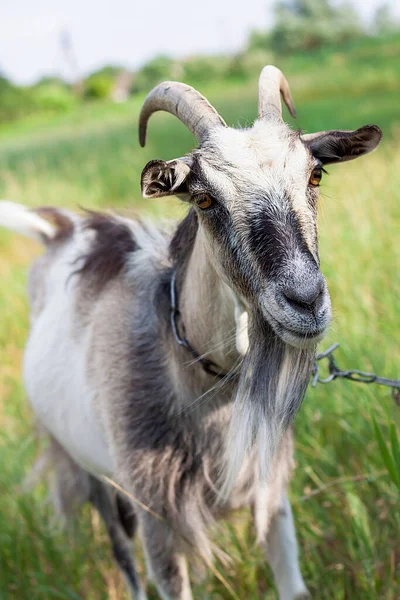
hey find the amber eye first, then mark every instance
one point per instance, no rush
(316, 177)
(204, 201)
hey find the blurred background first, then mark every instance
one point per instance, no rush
(72, 81)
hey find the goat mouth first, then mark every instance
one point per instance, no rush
(303, 340)
(296, 338)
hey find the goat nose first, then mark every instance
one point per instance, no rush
(305, 296)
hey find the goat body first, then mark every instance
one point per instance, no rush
(126, 410)
(97, 377)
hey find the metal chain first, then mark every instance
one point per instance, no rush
(353, 374)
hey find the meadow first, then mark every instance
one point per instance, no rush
(345, 503)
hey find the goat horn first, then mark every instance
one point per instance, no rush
(271, 85)
(184, 102)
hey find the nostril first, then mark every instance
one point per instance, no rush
(296, 303)
(306, 298)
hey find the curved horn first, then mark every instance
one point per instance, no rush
(271, 85)
(184, 102)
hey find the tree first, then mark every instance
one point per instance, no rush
(311, 24)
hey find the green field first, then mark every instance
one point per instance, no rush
(345, 504)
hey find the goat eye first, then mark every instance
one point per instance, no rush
(316, 177)
(204, 201)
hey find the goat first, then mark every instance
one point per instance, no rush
(175, 363)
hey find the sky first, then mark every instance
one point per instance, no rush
(127, 32)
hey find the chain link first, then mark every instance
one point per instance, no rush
(352, 374)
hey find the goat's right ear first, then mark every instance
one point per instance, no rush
(164, 178)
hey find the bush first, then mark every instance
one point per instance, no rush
(14, 101)
(253, 61)
(202, 69)
(98, 86)
(157, 70)
(53, 96)
(259, 41)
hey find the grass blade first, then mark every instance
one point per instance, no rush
(388, 459)
(394, 442)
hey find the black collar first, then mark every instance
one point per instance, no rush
(208, 365)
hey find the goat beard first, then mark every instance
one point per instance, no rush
(273, 382)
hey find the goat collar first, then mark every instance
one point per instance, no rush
(208, 365)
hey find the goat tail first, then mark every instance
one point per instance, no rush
(42, 224)
(23, 220)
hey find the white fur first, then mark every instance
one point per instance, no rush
(242, 326)
(242, 331)
(264, 155)
(63, 402)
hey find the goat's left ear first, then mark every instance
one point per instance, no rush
(164, 178)
(339, 146)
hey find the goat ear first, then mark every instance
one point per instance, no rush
(339, 146)
(164, 178)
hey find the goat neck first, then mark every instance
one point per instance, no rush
(207, 307)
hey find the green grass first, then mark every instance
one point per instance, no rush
(345, 500)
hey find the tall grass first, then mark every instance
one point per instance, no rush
(344, 498)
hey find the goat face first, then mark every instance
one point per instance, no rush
(260, 222)
(255, 192)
